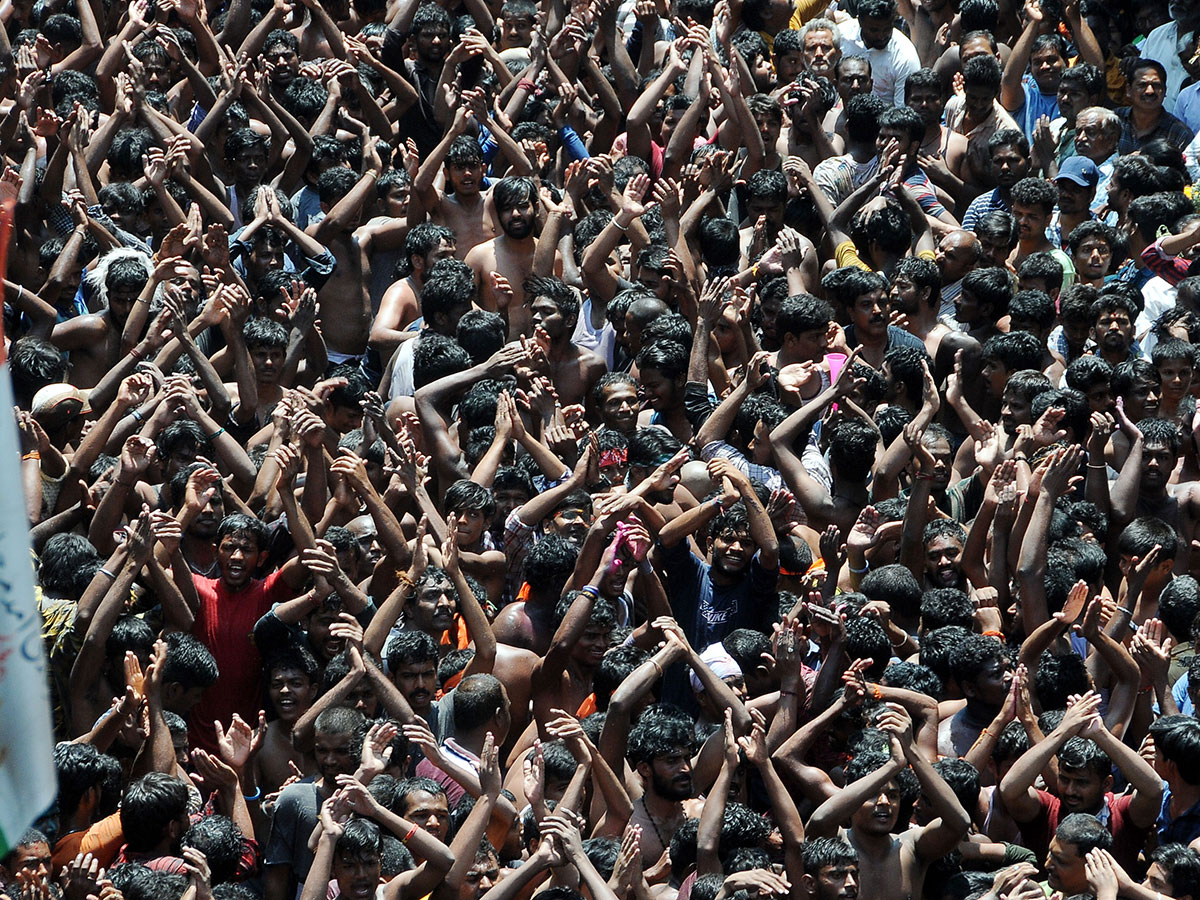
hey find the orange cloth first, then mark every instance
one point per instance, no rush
(102, 840)
(587, 707)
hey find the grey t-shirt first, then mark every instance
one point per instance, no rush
(295, 817)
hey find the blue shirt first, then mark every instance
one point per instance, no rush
(1183, 829)
(1035, 106)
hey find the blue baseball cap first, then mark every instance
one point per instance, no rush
(1080, 170)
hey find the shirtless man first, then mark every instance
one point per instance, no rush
(345, 300)
(94, 341)
(400, 307)
(891, 867)
(554, 309)
(509, 257)
(465, 209)
(915, 299)
(291, 687)
(942, 152)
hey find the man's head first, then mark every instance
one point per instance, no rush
(1093, 246)
(924, 93)
(984, 297)
(337, 741)
(423, 802)
(957, 254)
(481, 705)
(241, 548)
(981, 86)
(553, 306)
(660, 750)
(875, 22)
(154, 814)
(1174, 872)
(1047, 62)
(853, 77)
(1076, 835)
(1147, 85)
(1097, 131)
(431, 34)
(1085, 775)
(943, 542)
(821, 43)
(983, 670)
(424, 245)
(616, 399)
(1032, 201)
(447, 294)
(292, 683)
(1076, 184)
(731, 543)
(412, 658)
(1008, 150)
(516, 206)
(916, 286)
(1136, 541)
(802, 324)
(830, 869)
(662, 370)
(878, 814)
(650, 448)
(1080, 87)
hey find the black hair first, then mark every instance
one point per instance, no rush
(990, 285)
(1139, 537)
(221, 842)
(149, 805)
(189, 664)
(914, 677)
(968, 659)
(1016, 350)
(1042, 266)
(946, 606)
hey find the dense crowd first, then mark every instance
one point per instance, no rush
(616, 449)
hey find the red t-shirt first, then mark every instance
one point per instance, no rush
(225, 625)
(1128, 838)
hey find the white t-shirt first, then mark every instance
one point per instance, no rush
(1161, 45)
(889, 66)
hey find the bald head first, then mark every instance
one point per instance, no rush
(957, 254)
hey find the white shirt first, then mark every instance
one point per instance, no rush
(1187, 106)
(889, 66)
(1159, 297)
(1161, 45)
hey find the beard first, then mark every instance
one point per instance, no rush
(678, 788)
(517, 230)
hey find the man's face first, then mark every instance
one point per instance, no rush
(435, 605)
(1157, 881)
(1091, 138)
(876, 33)
(810, 346)
(238, 556)
(291, 692)
(1100, 398)
(28, 857)
(955, 255)
(1065, 869)
(516, 31)
(545, 312)
(619, 407)
(732, 552)
(592, 645)
(991, 686)
(995, 376)
(769, 128)
(1008, 165)
(266, 255)
(480, 878)
(571, 523)
(1176, 376)
(671, 775)
(878, 814)
(1015, 411)
(905, 296)
(1073, 199)
(967, 309)
(1071, 98)
(417, 681)
(1158, 462)
(854, 77)
(662, 393)
(465, 177)
(943, 459)
(1092, 259)
(837, 882)
(1046, 66)
(357, 875)
(928, 102)
(395, 201)
(518, 221)
(976, 46)
(820, 53)
(429, 812)
(248, 165)
(120, 302)
(943, 555)
(432, 44)
(320, 632)
(869, 314)
(1147, 91)
(267, 362)
(768, 208)
(978, 102)
(1080, 790)
(1031, 222)
(287, 64)
(1114, 330)
(788, 66)
(332, 753)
